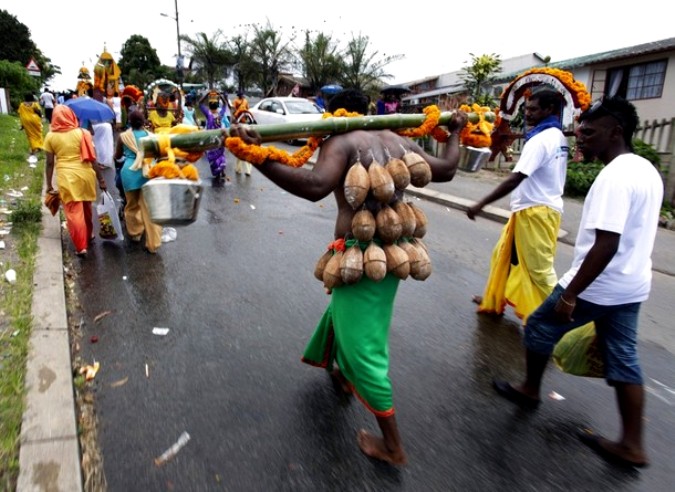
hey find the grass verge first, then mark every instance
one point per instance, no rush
(20, 247)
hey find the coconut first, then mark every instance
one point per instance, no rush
(408, 220)
(413, 257)
(397, 261)
(423, 269)
(321, 264)
(356, 185)
(399, 172)
(421, 244)
(420, 220)
(420, 170)
(331, 274)
(375, 262)
(363, 225)
(388, 224)
(351, 265)
(381, 182)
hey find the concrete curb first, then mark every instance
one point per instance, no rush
(49, 456)
(488, 212)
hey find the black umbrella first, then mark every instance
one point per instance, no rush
(396, 90)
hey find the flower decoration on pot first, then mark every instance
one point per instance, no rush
(478, 129)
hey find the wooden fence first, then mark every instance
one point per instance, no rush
(659, 134)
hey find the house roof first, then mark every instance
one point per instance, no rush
(605, 56)
(614, 55)
(448, 89)
(421, 81)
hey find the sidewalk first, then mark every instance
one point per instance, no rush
(466, 188)
(49, 456)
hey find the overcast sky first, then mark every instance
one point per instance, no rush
(434, 37)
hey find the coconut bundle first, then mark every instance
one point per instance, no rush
(209, 139)
(407, 258)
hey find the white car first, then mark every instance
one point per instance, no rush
(273, 110)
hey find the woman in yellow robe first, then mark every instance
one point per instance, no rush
(30, 116)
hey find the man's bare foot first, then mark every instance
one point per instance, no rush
(477, 299)
(613, 451)
(374, 447)
(341, 381)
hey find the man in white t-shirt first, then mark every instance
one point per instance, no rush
(610, 276)
(47, 101)
(522, 273)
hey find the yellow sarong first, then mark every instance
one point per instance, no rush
(526, 281)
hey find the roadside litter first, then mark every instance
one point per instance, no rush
(120, 382)
(168, 234)
(173, 450)
(90, 371)
(102, 315)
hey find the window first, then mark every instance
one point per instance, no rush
(642, 81)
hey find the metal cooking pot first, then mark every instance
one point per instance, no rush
(471, 158)
(172, 201)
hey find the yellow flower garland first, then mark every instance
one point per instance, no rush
(256, 154)
(168, 168)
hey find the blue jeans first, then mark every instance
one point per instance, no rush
(615, 327)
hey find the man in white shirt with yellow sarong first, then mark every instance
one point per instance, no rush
(522, 273)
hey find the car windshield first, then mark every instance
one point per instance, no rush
(301, 107)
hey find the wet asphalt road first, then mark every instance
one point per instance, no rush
(237, 292)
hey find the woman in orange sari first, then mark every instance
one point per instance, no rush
(70, 151)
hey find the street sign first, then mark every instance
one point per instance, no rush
(33, 68)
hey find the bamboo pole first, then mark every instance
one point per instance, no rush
(209, 139)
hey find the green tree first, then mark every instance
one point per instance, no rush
(242, 69)
(211, 59)
(363, 70)
(139, 62)
(479, 77)
(13, 75)
(321, 60)
(15, 41)
(16, 45)
(271, 55)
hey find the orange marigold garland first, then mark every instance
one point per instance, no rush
(574, 92)
(576, 88)
(430, 122)
(255, 154)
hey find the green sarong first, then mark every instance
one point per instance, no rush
(354, 332)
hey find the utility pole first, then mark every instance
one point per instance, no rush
(179, 57)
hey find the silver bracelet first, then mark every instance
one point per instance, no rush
(571, 304)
